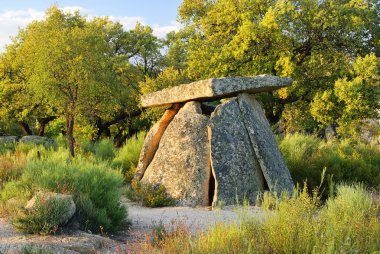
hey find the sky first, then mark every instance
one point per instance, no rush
(159, 14)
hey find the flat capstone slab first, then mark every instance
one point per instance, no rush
(213, 89)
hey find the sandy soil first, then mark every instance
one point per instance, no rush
(142, 219)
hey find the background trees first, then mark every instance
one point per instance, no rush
(317, 43)
(91, 73)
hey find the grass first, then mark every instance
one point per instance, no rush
(347, 223)
(344, 161)
(127, 157)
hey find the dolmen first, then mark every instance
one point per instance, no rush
(206, 152)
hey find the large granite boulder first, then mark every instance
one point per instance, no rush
(43, 198)
(152, 141)
(264, 144)
(8, 139)
(37, 140)
(181, 162)
(236, 170)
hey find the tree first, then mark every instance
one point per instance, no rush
(19, 104)
(65, 59)
(353, 98)
(315, 42)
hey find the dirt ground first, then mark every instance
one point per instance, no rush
(142, 220)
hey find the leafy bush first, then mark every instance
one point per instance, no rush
(127, 157)
(43, 219)
(348, 223)
(345, 161)
(149, 195)
(94, 186)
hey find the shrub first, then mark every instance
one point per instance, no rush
(345, 161)
(94, 186)
(104, 150)
(43, 219)
(127, 157)
(149, 195)
(7, 147)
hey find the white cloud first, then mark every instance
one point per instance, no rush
(161, 31)
(11, 21)
(127, 21)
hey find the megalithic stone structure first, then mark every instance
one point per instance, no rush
(225, 155)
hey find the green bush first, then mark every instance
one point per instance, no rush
(127, 157)
(149, 195)
(345, 161)
(43, 219)
(7, 147)
(94, 186)
(104, 150)
(347, 223)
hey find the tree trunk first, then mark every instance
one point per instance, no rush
(25, 128)
(42, 122)
(70, 134)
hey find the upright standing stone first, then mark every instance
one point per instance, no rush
(234, 163)
(264, 144)
(181, 162)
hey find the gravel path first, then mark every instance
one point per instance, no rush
(142, 219)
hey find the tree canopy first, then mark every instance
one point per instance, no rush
(86, 75)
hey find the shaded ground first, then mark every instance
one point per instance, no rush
(142, 219)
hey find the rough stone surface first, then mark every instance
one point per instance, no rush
(152, 141)
(8, 139)
(37, 140)
(264, 144)
(234, 163)
(181, 162)
(212, 89)
(43, 197)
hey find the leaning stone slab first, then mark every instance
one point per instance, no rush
(152, 140)
(212, 89)
(235, 167)
(181, 162)
(264, 144)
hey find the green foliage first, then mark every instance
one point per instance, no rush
(43, 219)
(104, 149)
(352, 99)
(11, 167)
(329, 48)
(93, 184)
(344, 161)
(149, 195)
(31, 249)
(348, 223)
(127, 157)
